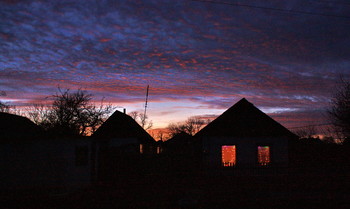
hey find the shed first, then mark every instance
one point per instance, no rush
(120, 143)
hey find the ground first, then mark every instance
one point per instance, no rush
(318, 176)
(311, 189)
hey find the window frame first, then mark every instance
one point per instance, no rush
(257, 155)
(235, 159)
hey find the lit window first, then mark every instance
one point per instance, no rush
(159, 150)
(228, 154)
(141, 148)
(264, 155)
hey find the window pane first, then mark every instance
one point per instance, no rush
(228, 154)
(264, 155)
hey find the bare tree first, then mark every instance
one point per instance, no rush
(305, 132)
(38, 113)
(191, 126)
(71, 113)
(4, 107)
(134, 115)
(339, 111)
(141, 119)
(145, 122)
(176, 128)
(161, 135)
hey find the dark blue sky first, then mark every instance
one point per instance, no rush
(198, 58)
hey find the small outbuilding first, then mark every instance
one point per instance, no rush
(244, 137)
(120, 144)
(183, 153)
(122, 130)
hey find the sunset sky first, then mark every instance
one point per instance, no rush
(199, 58)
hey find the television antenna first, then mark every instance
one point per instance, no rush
(146, 103)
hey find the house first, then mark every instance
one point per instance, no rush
(17, 127)
(122, 130)
(35, 162)
(120, 142)
(182, 152)
(244, 137)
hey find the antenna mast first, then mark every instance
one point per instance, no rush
(144, 114)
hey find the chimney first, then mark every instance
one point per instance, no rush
(124, 110)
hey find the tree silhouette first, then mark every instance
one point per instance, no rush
(141, 119)
(305, 132)
(340, 108)
(191, 126)
(71, 113)
(3, 106)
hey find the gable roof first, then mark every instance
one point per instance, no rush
(243, 119)
(180, 138)
(17, 127)
(121, 125)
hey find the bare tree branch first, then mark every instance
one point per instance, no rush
(141, 119)
(191, 126)
(339, 112)
(71, 113)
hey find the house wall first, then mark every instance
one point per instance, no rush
(115, 157)
(117, 142)
(44, 164)
(246, 150)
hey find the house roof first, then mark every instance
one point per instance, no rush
(180, 138)
(17, 127)
(121, 125)
(243, 119)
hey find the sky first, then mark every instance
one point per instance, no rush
(199, 58)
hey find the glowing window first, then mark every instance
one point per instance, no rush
(159, 150)
(264, 155)
(228, 154)
(141, 148)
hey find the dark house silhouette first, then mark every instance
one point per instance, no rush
(17, 127)
(180, 139)
(120, 144)
(183, 152)
(34, 161)
(243, 136)
(121, 126)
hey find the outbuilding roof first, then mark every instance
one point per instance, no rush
(121, 125)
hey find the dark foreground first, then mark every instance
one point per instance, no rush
(295, 188)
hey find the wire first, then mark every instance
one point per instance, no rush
(273, 9)
(331, 2)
